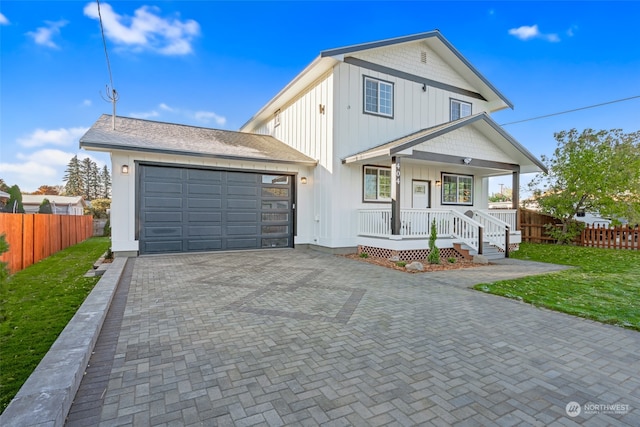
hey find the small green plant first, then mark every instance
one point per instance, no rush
(452, 259)
(401, 263)
(434, 252)
(364, 255)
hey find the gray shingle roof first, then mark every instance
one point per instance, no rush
(169, 138)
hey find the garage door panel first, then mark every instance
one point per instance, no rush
(204, 230)
(240, 216)
(165, 232)
(247, 243)
(193, 203)
(164, 246)
(162, 202)
(242, 204)
(241, 190)
(154, 217)
(233, 177)
(241, 230)
(204, 190)
(162, 172)
(163, 188)
(204, 245)
(183, 210)
(204, 175)
(208, 216)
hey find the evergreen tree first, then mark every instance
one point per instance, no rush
(73, 179)
(105, 180)
(14, 204)
(45, 207)
(434, 252)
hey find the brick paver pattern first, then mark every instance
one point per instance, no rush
(299, 337)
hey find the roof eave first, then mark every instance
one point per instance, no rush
(112, 147)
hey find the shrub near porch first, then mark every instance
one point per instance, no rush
(603, 286)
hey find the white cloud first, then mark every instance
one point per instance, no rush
(146, 30)
(62, 136)
(165, 107)
(207, 116)
(528, 32)
(44, 35)
(3, 20)
(572, 30)
(145, 114)
(42, 167)
(87, 103)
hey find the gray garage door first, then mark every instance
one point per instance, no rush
(187, 210)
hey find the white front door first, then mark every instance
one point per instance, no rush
(421, 195)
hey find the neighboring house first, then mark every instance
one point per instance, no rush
(60, 205)
(363, 149)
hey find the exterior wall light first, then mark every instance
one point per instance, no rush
(125, 169)
(467, 160)
(303, 180)
(438, 183)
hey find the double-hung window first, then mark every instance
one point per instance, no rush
(457, 189)
(459, 109)
(377, 184)
(378, 97)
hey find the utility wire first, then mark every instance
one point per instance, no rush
(571, 111)
(111, 92)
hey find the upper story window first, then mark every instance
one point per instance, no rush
(377, 184)
(276, 119)
(459, 109)
(457, 189)
(378, 97)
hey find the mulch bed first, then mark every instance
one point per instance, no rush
(444, 266)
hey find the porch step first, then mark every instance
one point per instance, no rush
(488, 250)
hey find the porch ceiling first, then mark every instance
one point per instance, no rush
(512, 155)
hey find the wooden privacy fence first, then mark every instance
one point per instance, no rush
(32, 237)
(623, 237)
(532, 226)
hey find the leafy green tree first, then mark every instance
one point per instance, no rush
(434, 251)
(73, 178)
(3, 186)
(503, 196)
(99, 208)
(594, 171)
(14, 204)
(45, 207)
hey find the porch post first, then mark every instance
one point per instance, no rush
(395, 196)
(515, 195)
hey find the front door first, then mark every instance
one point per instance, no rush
(421, 195)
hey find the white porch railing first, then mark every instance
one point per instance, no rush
(505, 215)
(416, 223)
(496, 231)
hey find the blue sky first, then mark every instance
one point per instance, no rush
(214, 64)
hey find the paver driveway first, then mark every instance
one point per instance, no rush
(299, 337)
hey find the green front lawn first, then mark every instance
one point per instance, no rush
(35, 306)
(604, 286)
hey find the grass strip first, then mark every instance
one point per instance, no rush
(604, 286)
(35, 306)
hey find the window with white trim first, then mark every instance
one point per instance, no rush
(378, 97)
(459, 109)
(376, 184)
(457, 189)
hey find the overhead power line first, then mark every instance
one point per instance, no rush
(111, 91)
(571, 111)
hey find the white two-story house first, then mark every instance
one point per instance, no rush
(363, 150)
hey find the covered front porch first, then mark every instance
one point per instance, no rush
(492, 233)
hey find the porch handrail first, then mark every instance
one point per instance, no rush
(496, 231)
(467, 230)
(507, 215)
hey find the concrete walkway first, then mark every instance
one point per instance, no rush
(303, 338)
